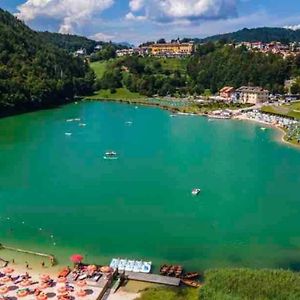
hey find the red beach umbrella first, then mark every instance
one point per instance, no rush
(8, 270)
(3, 290)
(76, 258)
(45, 277)
(25, 283)
(42, 296)
(106, 269)
(81, 293)
(44, 285)
(61, 279)
(91, 268)
(81, 283)
(22, 293)
(62, 289)
(5, 279)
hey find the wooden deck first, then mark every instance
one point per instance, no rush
(153, 278)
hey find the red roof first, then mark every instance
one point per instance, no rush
(227, 89)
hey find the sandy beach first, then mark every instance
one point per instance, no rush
(19, 261)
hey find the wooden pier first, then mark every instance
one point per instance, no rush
(153, 278)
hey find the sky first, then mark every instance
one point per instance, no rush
(137, 21)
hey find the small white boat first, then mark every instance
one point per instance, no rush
(146, 267)
(137, 266)
(77, 119)
(122, 264)
(196, 192)
(69, 120)
(110, 155)
(129, 266)
(172, 116)
(82, 124)
(136, 107)
(114, 263)
(68, 133)
(128, 123)
(263, 128)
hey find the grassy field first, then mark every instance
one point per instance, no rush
(249, 284)
(99, 68)
(290, 110)
(173, 64)
(170, 294)
(121, 94)
(235, 284)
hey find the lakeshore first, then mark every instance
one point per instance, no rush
(189, 109)
(119, 194)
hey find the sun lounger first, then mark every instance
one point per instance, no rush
(81, 277)
(97, 277)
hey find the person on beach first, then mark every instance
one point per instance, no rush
(13, 260)
(52, 261)
(27, 265)
(43, 264)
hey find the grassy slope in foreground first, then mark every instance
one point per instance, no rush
(161, 293)
(235, 284)
(250, 284)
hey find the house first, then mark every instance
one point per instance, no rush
(80, 52)
(288, 84)
(124, 52)
(227, 93)
(141, 51)
(98, 47)
(252, 94)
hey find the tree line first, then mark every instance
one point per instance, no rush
(33, 72)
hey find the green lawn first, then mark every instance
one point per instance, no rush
(99, 68)
(173, 64)
(290, 110)
(121, 94)
(247, 284)
(170, 294)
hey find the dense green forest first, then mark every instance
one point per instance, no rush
(213, 66)
(34, 73)
(69, 42)
(264, 34)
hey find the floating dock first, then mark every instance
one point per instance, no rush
(153, 278)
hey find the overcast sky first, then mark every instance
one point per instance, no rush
(141, 20)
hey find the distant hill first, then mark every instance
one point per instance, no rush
(33, 72)
(264, 34)
(69, 42)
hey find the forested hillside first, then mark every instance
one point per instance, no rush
(214, 66)
(34, 73)
(69, 42)
(264, 34)
(211, 67)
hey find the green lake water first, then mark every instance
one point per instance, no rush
(58, 194)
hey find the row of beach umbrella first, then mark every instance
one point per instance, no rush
(62, 290)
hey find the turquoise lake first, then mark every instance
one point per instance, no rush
(58, 195)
